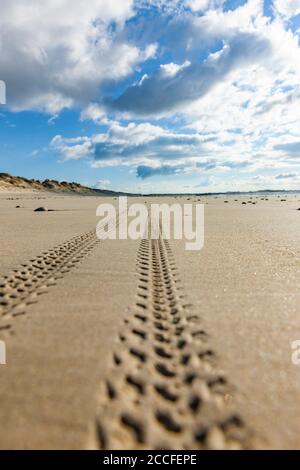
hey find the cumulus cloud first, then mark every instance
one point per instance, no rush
(220, 95)
(57, 54)
(131, 143)
(151, 150)
(287, 8)
(166, 92)
(94, 112)
(72, 148)
(179, 6)
(203, 5)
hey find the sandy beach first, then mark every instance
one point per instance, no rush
(150, 229)
(91, 364)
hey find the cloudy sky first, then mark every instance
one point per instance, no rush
(152, 95)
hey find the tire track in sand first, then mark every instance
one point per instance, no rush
(24, 285)
(164, 389)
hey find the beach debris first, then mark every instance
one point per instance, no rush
(41, 209)
(18, 207)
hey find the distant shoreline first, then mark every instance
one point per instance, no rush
(9, 183)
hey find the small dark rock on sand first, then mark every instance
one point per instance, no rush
(41, 209)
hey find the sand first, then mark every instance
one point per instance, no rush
(85, 370)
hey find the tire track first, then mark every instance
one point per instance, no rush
(24, 285)
(164, 389)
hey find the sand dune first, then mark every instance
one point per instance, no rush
(18, 184)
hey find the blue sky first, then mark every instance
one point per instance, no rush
(152, 95)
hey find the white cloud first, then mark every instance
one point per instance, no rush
(94, 112)
(203, 5)
(73, 148)
(287, 8)
(56, 54)
(227, 80)
(151, 150)
(166, 92)
(130, 144)
(171, 69)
